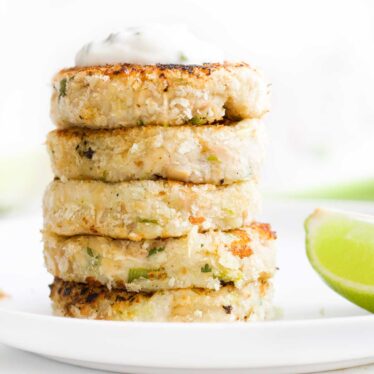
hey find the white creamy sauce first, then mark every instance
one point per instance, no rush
(150, 44)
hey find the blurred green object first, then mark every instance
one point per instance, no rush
(358, 190)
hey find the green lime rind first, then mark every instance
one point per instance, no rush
(340, 247)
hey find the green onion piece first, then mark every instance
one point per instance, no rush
(229, 211)
(95, 259)
(155, 250)
(206, 269)
(135, 273)
(213, 158)
(90, 252)
(147, 220)
(63, 87)
(197, 120)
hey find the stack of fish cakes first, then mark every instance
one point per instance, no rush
(152, 214)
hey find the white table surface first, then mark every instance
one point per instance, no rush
(13, 361)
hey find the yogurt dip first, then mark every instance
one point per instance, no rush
(150, 44)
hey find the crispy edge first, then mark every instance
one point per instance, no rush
(127, 70)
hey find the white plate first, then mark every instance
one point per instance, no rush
(318, 331)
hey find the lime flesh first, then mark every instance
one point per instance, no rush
(340, 247)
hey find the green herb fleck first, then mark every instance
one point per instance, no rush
(63, 87)
(197, 120)
(155, 250)
(229, 211)
(95, 259)
(135, 273)
(140, 122)
(183, 57)
(147, 220)
(90, 252)
(213, 158)
(206, 269)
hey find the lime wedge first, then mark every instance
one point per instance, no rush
(340, 247)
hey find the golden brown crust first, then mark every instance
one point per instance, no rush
(265, 231)
(130, 95)
(162, 70)
(217, 154)
(147, 209)
(82, 132)
(197, 260)
(80, 300)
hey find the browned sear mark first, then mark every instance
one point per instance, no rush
(196, 220)
(241, 246)
(227, 308)
(264, 276)
(162, 70)
(264, 285)
(264, 230)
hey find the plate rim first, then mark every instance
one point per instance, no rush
(252, 324)
(296, 329)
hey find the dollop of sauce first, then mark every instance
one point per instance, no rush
(150, 44)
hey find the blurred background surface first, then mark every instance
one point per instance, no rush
(318, 55)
